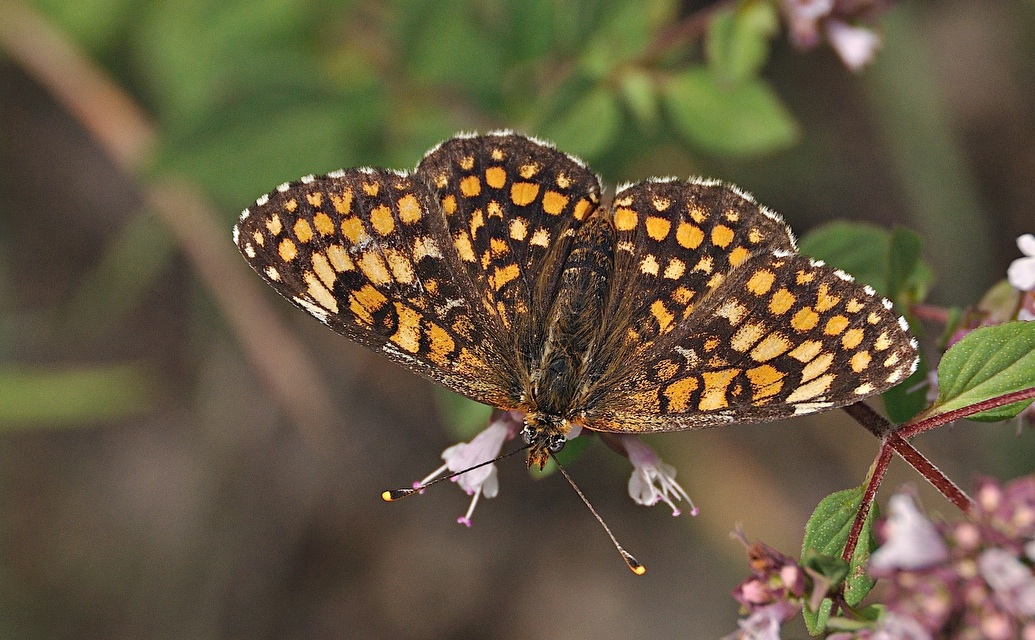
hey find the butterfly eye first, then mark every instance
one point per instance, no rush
(557, 444)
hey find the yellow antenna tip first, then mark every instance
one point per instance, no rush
(387, 496)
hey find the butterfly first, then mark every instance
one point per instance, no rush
(497, 270)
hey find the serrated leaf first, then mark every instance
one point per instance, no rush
(826, 533)
(855, 247)
(746, 118)
(588, 126)
(737, 43)
(988, 362)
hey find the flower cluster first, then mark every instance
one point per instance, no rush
(772, 595)
(954, 581)
(971, 579)
(809, 22)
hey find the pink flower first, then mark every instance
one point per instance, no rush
(652, 480)
(809, 22)
(856, 46)
(483, 447)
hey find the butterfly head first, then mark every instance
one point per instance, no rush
(546, 434)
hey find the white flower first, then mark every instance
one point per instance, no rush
(913, 542)
(894, 626)
(652, 480)
(855, 45)
(1010, 579)
(483, 447)
(1021, 274)
(764, 623)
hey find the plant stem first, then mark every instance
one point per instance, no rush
(873, 479)
(914, 427)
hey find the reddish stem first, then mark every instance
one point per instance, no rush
(910, 429)
(873, 480)
(930, 313)
(933, 474)
(893, 440)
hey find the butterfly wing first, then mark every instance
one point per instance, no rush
(367, 252)
(512, 205)
(728, 324)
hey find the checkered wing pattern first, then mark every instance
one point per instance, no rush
(726, 323)
(493, 270)
(512, 206)
(368, 253)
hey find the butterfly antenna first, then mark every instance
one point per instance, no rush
(633, 563)
(391, 495)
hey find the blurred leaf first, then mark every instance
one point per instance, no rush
(624, 34)
(588, 126)
(639, 92)
(904, 263)
(463, 418)
(826, 533)
(239, 157)
(126, 273)
(41, 398)
(446, 46)
(737, 44)
(854, 247)
(530, 29)
(195, 55)
(987, 363)
(743, 119)
(94, 24)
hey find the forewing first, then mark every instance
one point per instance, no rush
(367, 253)
(769, 335)
(511, 205)
(676, 242)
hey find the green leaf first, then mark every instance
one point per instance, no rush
(904, 265)
(737, 43)
(463, 418)
(826, 534)
(237, 158)
(448, 47)
(854, 247)
(84, 395)
(640, 93)
(747, 118)
(588, 126)
(623, 35)
(95, 24)
(988, 362)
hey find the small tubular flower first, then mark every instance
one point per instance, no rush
(652, 480)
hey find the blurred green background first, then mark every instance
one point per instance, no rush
(184, 455)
